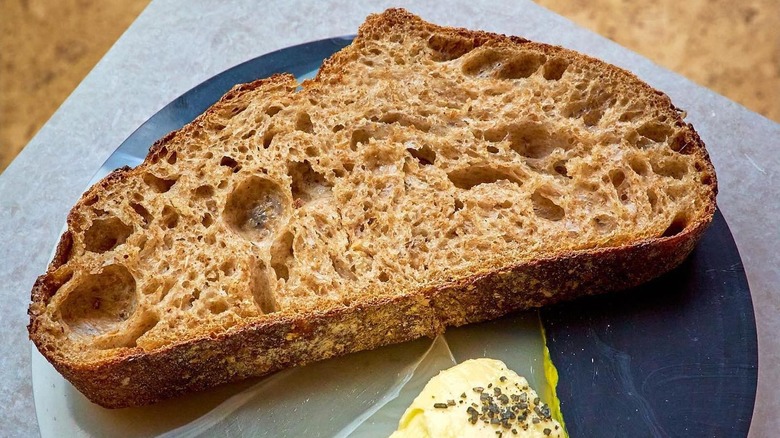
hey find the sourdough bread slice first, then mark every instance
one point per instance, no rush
(427, 177)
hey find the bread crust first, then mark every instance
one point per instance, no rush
(137, 377)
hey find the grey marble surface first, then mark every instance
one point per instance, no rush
(176, 44)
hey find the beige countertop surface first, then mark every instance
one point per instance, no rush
(175, 45)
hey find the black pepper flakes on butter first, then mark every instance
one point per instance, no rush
(505, 406)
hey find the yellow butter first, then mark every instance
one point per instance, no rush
(442, 408)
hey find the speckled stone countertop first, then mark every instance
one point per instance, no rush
(174, 45)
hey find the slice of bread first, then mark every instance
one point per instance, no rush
(427, 177)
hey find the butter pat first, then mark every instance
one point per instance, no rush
(478, 398)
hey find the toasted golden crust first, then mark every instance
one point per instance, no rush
(105, 312)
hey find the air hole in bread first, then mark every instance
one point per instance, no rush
(559, 167)
(587, 186)
(166, 287)
(152, 286)
(630, 115)
(186, 302)
(359, 136)
(172, 158)
(209, 239)
(99, 303)
(170, 217)
(337, 128)
(473, 176)
(670, 168)
(261, 289)
(307, 184)
(212, 275)
(679, 223)
(215, 126)
(159, 185)
(141, 211)
(207, 220)
(228, 267)
(521, 66)
(592, 117)
(236, 109)
(706, 179)
(303, 123)
(383, 277)
(492, 149)
(604, 223)
(155, 156)
(204, 191)
(167, 242)
(448, 47)
(655, 131)
(555, 68)
(230, 162)
(343, 268)
(90, 200)
(268, 137)
(598, 103)
(681, 144)
(481, 62)
(282, 257)
(217, 306)
(617, 176)
(273, 110)
(503, 204)
(590, 108)
(638, 165)
(137, 327)
(248, 134)
(425, 155)
(534, 140)
(405, 120)
(458, 204)
(255, 208)
(652, 199)
(106, 234)
(545, 208)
